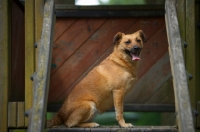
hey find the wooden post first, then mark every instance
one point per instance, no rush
(5, 63)
(29, 53)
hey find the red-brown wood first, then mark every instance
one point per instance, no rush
(63, 24)
(72, 39)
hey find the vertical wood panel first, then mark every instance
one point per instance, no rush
(20, 114)
(12, 114)
(191, 53)
(29, 53)
(5, 62)
(18, 55)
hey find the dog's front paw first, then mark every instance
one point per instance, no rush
(94, 125)
(126, 125)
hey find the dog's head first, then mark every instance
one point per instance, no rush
(130, 44)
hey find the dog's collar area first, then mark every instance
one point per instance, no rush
(134, 56)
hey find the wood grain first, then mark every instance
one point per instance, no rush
(12, 114)
(72, 39)
(20, 114)
(151, 81)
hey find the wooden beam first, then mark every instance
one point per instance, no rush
(29, 53)
(42, 76)
(5, 63)
(182, 100)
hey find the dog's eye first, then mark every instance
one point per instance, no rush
(138, 40)
(128, 42)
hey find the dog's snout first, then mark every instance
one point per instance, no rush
(136, 48)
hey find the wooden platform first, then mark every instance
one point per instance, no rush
(117, 129)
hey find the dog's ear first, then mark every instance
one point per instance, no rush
(117, 37)
(142, 35)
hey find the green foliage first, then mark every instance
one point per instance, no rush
(136, 118)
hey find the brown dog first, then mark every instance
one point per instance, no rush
(105, 85)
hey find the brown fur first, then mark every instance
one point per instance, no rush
(103, 87)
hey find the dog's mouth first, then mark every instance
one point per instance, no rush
(133, 54)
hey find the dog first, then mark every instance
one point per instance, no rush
(104, 86)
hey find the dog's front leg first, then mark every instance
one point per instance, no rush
(118, 98)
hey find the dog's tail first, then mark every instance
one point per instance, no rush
(55, 121)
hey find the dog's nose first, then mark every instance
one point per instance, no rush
(136, 48)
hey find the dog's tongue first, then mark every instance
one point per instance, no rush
(135, 57)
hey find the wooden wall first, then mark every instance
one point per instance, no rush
(82, 43)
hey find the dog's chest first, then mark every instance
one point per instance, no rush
(128, 80)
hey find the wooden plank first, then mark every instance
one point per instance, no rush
(5, 63)
(39, 7)
(164, 95)
(191, 50)
(17, 54)
(20, 115)
(62, 25)
(41, 77)
(68, 43)
(151, 81)
(148, 25)
(12, 114)
(29, 53)
(182, 100)
(86, 54)
(117, 129)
